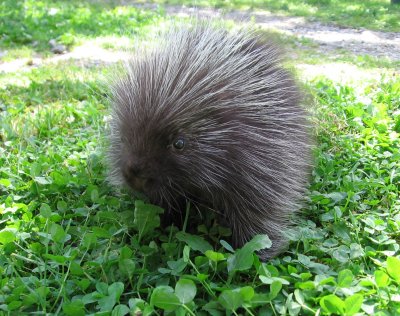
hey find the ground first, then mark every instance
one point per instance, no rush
(326, 40)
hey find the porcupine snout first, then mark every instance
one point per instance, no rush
(139, 175)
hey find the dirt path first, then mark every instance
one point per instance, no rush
(329, 39)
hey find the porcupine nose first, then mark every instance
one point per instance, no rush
(134, 170)
(137, 177)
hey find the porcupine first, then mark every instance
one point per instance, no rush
(211, 116)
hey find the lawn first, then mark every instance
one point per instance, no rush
(70, 244)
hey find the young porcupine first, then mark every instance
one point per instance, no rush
(211, 116)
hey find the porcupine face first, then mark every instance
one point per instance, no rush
(171, 128)
(165, 158)
(163, 153)
(152, 157)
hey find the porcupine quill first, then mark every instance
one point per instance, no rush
(211, 116)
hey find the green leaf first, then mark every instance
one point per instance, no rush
(102, 288)
(332, 304)
(258, 242)
(275, 288)
(177, 266)
(42, 180)
(381, 278)
(180, 311)
(101, 232)
(186, 254)
(194, 242)
(58, 259)
(146, 217)
(120, 310)
(247, 293)
(116, 289)
(227, 246)
(62, 206)
(243, 258)
(393, 268)
(214, 256)
(83, 284)
(125, 253)
(270, 280)
(107, 303)
(345, 278)
(74, 308)
(164, 297)
(341, 254)
(356, 251)
(292, 306)
(336, 196)
(127, 267)
(270, 270)
(260, 299)
(230, 300)
(308, 285)
(42, 292)
(45, 210)
(213, 308)
(328, 280)
(5, 183)
(353, 304)
(13, 305)
(202, 277)
(136, 304)
(6, 237)
(185, 290)
(57, 233)
(89, 240)
(299, 297)
(94, 195)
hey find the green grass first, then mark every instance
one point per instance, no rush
(370, 14)
(72, 245)
(30, 24)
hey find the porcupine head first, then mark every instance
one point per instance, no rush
(211, 116)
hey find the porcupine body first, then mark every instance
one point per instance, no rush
(211, 116)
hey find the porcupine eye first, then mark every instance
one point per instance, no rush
(179, 143)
